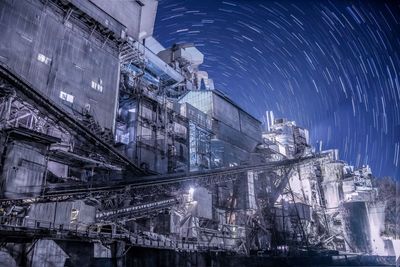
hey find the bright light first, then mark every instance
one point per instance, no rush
(191, 191)
(190, 197)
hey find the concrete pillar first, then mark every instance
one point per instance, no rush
(118, 250)
(47, 253)
(6, 260)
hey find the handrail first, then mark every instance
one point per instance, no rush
(83, 230)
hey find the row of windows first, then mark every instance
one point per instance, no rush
(42, 58)
(66, 97)
(98, 86)
(70, 98)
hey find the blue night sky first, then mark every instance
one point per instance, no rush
(332, 66)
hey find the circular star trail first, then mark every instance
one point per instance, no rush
(332, 66)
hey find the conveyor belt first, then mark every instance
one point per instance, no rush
(196, 177)
(137, 211)
(201, 177)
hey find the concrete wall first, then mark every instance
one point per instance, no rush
(6, 260)
(62, 60)
(332, 184)
(47, 253)
(376, 217)
(357, 228)
(100, 251)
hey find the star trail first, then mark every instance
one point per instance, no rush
(332, 66)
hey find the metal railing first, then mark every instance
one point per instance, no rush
(93, 231)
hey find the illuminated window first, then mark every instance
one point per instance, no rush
(74, 215)
(42, 58)
(98, 86)
(66, 97)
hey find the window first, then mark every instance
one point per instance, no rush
(74, 215)
(42, 58)
(98, 86)
(66, 97)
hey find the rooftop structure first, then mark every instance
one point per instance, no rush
(137, 16)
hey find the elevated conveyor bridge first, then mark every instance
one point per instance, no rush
(176, 180)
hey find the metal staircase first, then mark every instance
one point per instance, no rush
(132, 53)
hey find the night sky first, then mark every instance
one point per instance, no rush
(332, 66)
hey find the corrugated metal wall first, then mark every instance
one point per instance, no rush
(230, 123)
(226, 112)
(250, 126)
(69, 214)
(59, 58)
(23, 170)
(233, 136)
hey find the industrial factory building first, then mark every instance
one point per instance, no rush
(117, 151)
